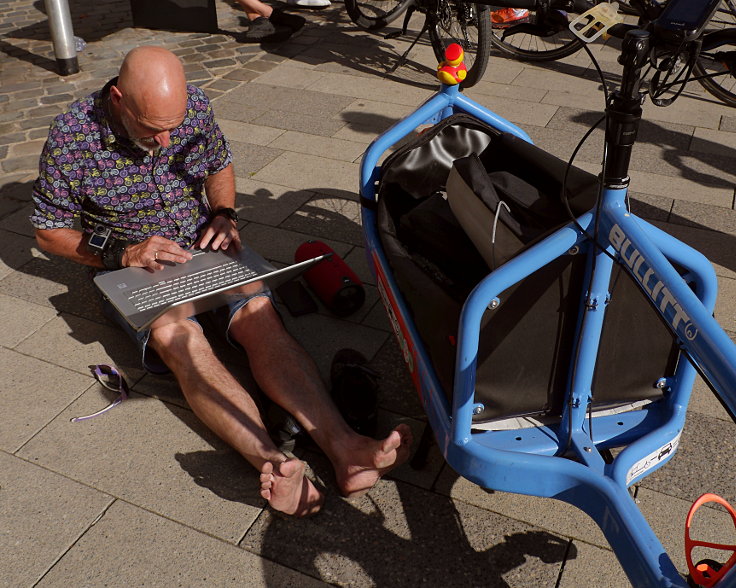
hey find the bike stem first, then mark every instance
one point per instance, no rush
(623, 112)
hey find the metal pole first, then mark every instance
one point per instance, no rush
(62, 35)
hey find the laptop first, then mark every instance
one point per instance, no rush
(210, 279)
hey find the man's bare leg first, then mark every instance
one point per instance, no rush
(287, 374)
(230, 412)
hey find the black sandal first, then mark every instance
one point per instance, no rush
(355, 391)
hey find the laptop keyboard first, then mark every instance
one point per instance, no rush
(188, 286)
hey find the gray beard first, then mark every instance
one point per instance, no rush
(151, 150)
(144, 147)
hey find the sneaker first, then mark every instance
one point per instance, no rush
(310, 3)
(505, 17)
(355, 391)
(292, 21)
(259, 29)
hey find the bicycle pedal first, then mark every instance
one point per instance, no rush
(595, 22)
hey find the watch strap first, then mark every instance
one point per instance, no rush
(112, 256)
(226, 211)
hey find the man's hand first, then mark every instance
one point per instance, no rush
(221, 233)
(152, 251)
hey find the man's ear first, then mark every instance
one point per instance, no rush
(115, 95)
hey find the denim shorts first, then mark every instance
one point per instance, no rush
(220, 318)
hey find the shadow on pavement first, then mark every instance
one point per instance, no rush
(368, 53)
(91, 21)
(401, 535)
(710, 166)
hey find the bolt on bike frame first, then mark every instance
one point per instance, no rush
(531, 461)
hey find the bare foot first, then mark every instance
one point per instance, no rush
(288, 490)
(371, 460)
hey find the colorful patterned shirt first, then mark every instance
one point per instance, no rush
(90, 174)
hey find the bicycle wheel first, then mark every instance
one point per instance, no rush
(375, 14)
(559, 42)
(722, 84)
(468, 25)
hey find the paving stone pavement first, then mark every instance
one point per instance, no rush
(145, 494)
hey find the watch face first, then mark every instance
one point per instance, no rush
(97, 241)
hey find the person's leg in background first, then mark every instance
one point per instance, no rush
(264, 19)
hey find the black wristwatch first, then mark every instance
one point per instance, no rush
(112, 256)
(228, 212)
(108, 248)
(99, 239)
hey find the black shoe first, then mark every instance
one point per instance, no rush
(355, 391)
(283, 428)
(292, 21)
(260, 28)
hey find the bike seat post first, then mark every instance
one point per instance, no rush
(624, 110)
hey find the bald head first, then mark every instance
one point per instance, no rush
(150, 96)
(152, 74)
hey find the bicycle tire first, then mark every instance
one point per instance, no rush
(528, 47)
(467, 24)
(723, 84)
(373, 15)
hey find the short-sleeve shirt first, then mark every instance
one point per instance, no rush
(89, 173)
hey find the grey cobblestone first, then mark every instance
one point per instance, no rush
(728, 123)
(11, 138)
(42, 111)
(56, 99)
(38, 133)
(26, 148)
(36, 123)
(260, 65)
(243, 75)
(10, 127)
(25, 163)
(219, 63)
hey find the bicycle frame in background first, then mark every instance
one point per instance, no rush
(543, 35)
(446, 21)
(565, 460)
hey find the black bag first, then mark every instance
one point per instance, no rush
(527, 344)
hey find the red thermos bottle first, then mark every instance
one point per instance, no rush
(331, 279)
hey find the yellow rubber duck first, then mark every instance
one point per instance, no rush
(452, 70)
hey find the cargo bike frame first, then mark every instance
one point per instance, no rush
(570, 459)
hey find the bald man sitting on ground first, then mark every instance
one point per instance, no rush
(145, 158)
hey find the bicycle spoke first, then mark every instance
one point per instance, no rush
(710, 70)
(555, 42)
(458, 26)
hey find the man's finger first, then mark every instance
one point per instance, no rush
(178, 255)
(206, 237)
